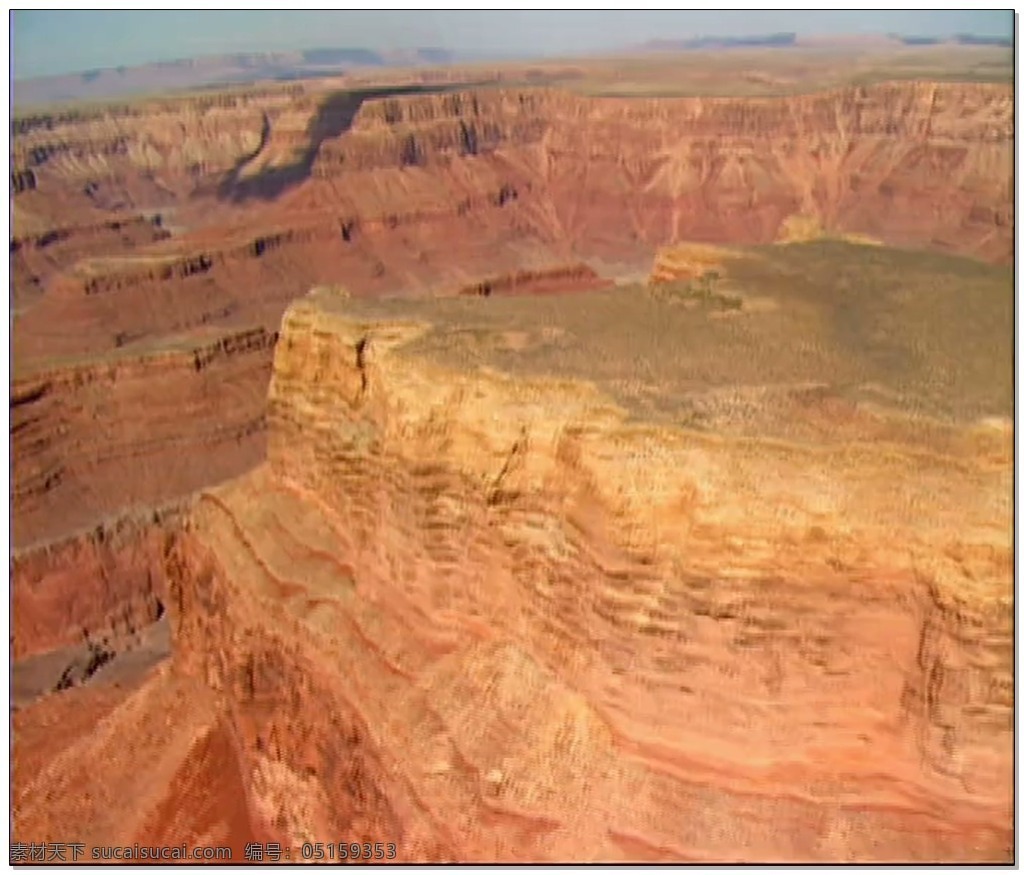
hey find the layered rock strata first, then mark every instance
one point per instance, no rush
(716, 169)
(104, 582)
(496, 617)
(92, 438)
(426, 193)
(492, 619)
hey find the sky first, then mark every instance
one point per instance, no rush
(47, 42)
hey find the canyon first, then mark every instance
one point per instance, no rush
(516, 475)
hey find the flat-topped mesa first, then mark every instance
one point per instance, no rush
(358, 373)
(959, 111)
(637, 637)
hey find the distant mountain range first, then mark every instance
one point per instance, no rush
(786, 40)
(962, 39)
(213, 71)
(720, 42)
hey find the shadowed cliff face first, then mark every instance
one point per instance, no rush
(332, 119)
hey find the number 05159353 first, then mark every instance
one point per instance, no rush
(368, 851)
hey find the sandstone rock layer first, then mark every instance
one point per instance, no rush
(490, 618)
(94, 437)
(592, 639)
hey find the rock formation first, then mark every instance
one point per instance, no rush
(715, 570)
(694, 167)
(95, 437)
(404, 191)
(104, 582)
(496, 618)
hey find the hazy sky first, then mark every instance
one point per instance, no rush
(50, 42)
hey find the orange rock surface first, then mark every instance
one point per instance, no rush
(503, 576)
(427, 189)
(490, 618)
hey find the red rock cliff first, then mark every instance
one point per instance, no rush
(722, 170)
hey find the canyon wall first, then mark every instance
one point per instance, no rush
(103, 582)
(427, 193)
(91, 439)
(721, 170)
(180, 137)
(491, 619)
(495, 617)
